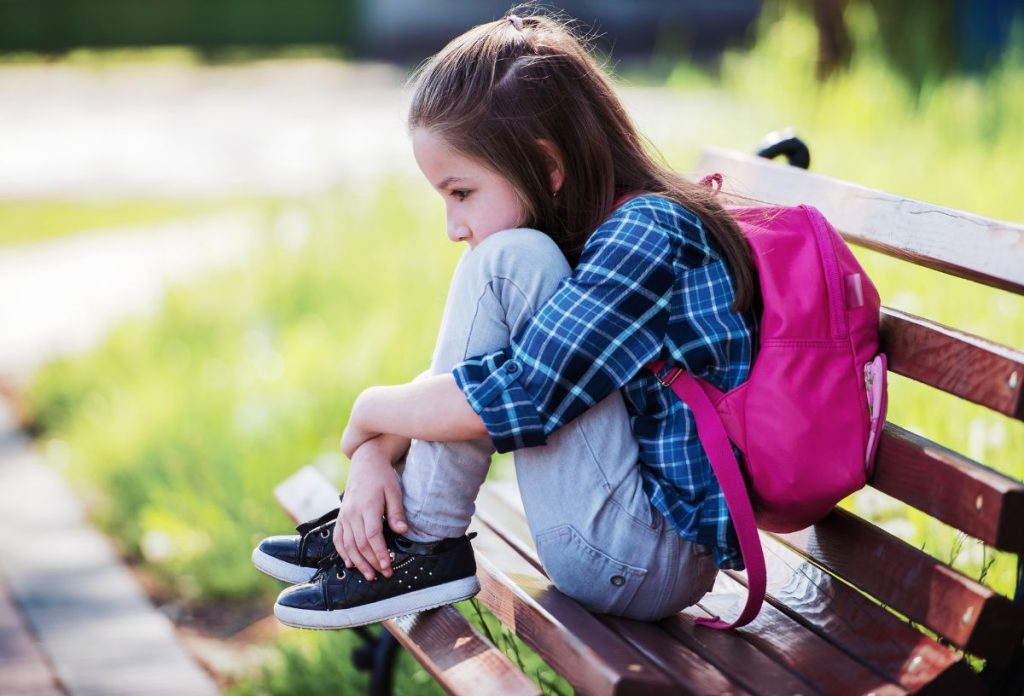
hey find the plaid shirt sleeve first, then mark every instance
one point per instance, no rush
(593, 335)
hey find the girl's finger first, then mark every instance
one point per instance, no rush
(378, 549)
(361, 551)
(396, 512)
(350, 546)
(338, 539)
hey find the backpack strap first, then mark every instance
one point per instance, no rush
(727, 471)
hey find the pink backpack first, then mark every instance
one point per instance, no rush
(809, 417)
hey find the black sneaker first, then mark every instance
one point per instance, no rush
(424, 575)
(297, 557)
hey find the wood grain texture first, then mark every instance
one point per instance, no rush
(962, 244)
(950, 487)
(860, 627)
(956, 362)
(966, 613)
(592, 658)
(819, 663)
(741, 660)
(442, 640)
(832, 609)
(745, 664)
(500, 507)
(457, 657)
(692, 673)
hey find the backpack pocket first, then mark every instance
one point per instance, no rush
(875, 383)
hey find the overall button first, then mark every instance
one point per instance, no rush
(511, 367)
(618, 580)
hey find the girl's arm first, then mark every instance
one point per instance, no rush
(429, 408)
(390, 445)
(374, 440)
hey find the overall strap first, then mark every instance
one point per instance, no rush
(727, 471)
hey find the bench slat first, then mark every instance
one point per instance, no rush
(830, 608)
(743, 663)
(576, 645)
(860, 627)
(458, 658)
(693, 674)
(968, 614)
(821, 664)
(736, 657)
(839, 608)
(442, 640)
(306, 494)
(969, 246)
(950, 487)
(958, 363)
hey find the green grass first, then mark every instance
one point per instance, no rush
(315, 662)
(28, 221)
(177, 429)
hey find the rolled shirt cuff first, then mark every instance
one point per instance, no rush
(492, 387)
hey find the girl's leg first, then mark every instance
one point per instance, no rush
(597, 534)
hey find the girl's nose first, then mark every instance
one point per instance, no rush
(457, 232)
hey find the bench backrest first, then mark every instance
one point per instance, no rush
(942, 483)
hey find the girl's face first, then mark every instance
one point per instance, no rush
(478, 200)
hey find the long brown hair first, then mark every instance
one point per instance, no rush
(495, 91)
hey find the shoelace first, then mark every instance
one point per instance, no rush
(333, 560)
(326, 564)
(311, 534)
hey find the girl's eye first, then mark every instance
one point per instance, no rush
(460, 194)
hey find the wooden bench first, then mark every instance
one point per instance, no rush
(851, 608)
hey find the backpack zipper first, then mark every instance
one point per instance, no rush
(827, 252)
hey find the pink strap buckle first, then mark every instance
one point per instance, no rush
(671, 377)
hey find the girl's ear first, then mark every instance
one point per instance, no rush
(556, 166)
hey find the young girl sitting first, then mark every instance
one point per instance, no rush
(586, 261)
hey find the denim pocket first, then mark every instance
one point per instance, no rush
(591, 577)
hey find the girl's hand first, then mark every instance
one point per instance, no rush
(373, 488)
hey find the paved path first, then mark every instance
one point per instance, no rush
(24, 668)
(96, 627)
(85, 618)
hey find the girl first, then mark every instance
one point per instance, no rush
(542, 351)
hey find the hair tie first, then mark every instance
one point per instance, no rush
(516, 21)
(713, 182)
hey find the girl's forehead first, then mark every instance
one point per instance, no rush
(440, 162)
(427, 142)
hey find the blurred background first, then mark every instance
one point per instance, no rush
(213, 236)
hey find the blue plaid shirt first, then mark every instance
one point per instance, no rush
(650, 284)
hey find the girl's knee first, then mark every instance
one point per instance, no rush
(520, 251)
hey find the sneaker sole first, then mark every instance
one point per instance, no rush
(420, 600)
(282, 570)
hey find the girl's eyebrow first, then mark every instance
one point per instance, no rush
(449, 180)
